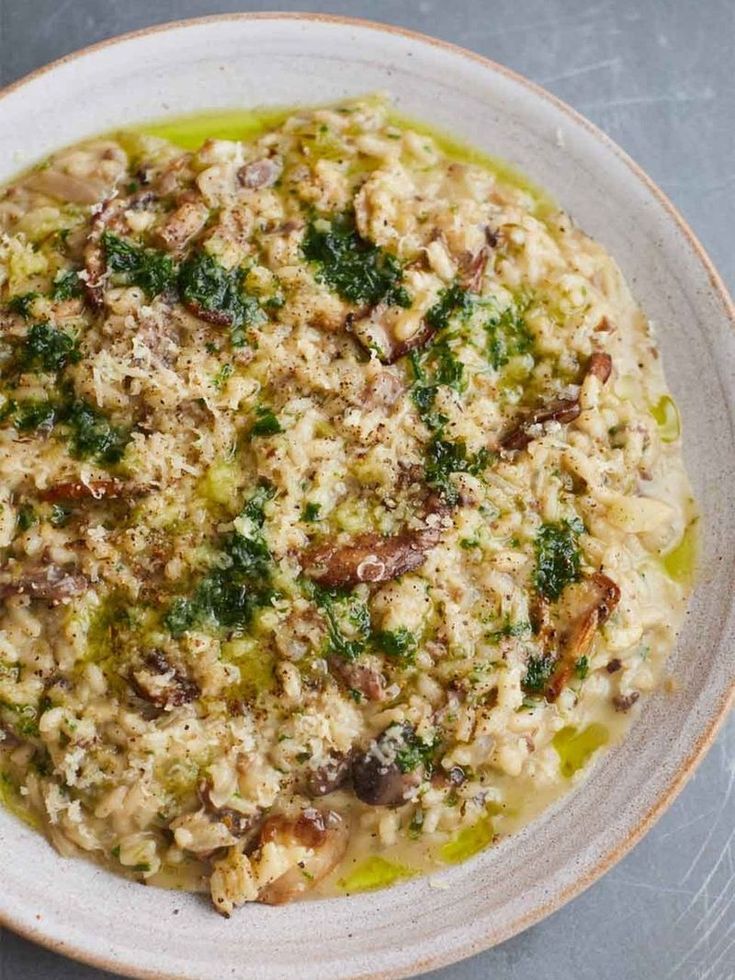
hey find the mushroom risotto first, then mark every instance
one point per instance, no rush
(342, 511)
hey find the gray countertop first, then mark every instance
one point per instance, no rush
(657, 76)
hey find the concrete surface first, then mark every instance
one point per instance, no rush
(657, 76)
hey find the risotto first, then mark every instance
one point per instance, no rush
(343, 519)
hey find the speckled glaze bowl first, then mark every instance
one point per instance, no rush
(250, 60)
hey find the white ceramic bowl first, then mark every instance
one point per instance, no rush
(244, 61)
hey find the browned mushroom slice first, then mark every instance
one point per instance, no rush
(416, 341)
(362, 677)
(66, 187)
(94, 490)
(601, 597)
(161, 684)
(371, 330)
(95, 264)
(184, 224)
(599, 365)
(87, 179)
(562, 411)
(625, 702)
(260, 173)
(540, 616)
(369, 558)
(377, 777)
(329, 777)
(474, 269)
(324, 832)
(238, 824)
(44, 581)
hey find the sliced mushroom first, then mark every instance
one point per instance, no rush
(601, 596)
(562, 410)
(239, 824)
(369, 558)
(600, 366)
(323, 832)
(161, 684)
(330, 777)
(66, 187)
(45, 581)
(363, 677)
(377, 777)
(81, 176)
(383, 390)
(473, 269)
(260, 173)
(94, 490)
(625, 702)
(95, 264)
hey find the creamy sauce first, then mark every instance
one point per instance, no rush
(372, 860)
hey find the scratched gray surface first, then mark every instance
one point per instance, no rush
(657, 75)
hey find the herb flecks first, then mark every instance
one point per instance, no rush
(48, 349)
(443, 458)
(93, 435)
(348, 621)
(227, 596)
(508, 335)
(135, 265)
(218, 295)
(452, 301)
(538, 671)
(356, 269)
(557, 557)
(399, 644)
(67, 285)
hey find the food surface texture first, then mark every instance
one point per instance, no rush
(343, 519)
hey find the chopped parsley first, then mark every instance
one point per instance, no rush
(582, 668)
(400, 643)
(266, 423)
(66, 285)
(538, 671)
(356, 269)
(48, 349)
(29, 414)
(221, 377)
(135, 265)
(348, 621)
(452, 301)
(557, 557)
(414, 751)
(517, 629)
(508, 335)
(311, 512)
(93, 436)
(436, 366)
(444, 458)
(206, 284)
(26, 517)
(21, 719)
(22, 304)
(227, 597)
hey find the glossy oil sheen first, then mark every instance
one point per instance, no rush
(190, 131)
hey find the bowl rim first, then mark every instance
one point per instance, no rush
(719, 712)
